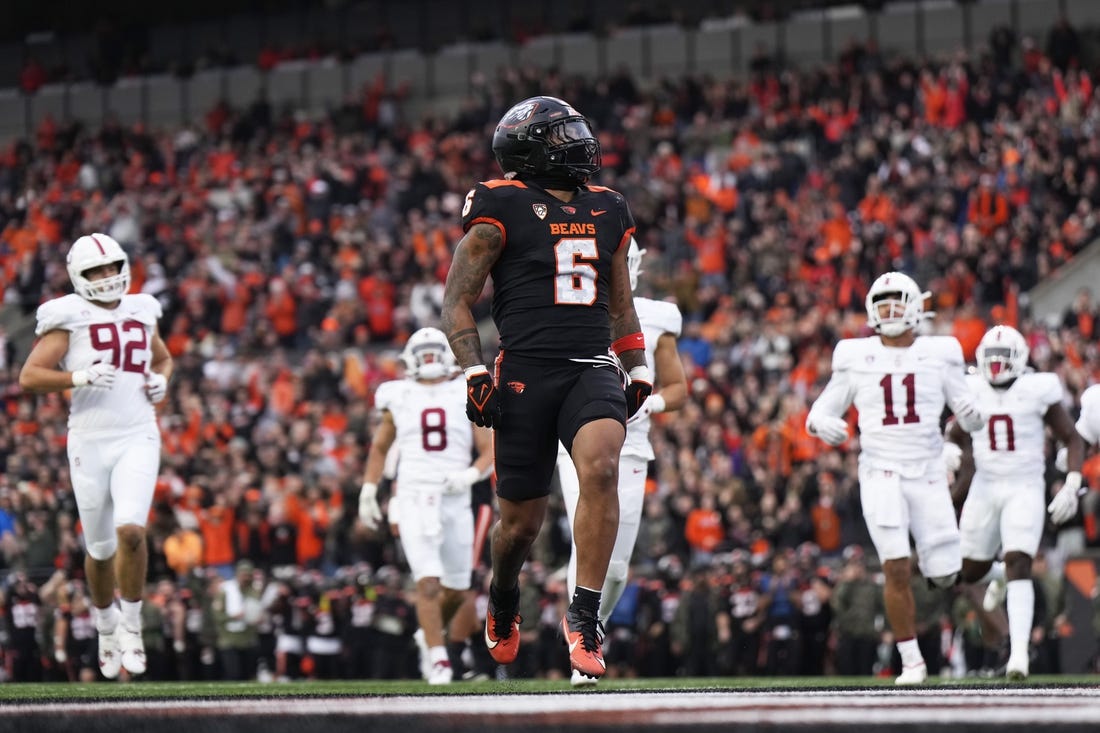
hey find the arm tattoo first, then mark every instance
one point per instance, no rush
(474, 257)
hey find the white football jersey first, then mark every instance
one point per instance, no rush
(900, 393)
(656, 317)
(434, 436)
(122, 336)
(1088, 424)
(1012, 442)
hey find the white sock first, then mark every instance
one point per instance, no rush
(438, 654)
(910, 653)
(612, 591)
(106, 619)
(131, 614)
(996, 572)
(1021, 612)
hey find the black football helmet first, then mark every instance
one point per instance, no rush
(544, 135)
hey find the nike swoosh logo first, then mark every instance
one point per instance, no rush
(599, 213)
(637, 470)
(574, 645)
(489, 642)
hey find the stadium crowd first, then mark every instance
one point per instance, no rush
(294, 256)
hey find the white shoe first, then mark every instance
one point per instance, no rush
(133, 650)
(441, 674)
(995, 594)
(425, 657)
(1017, 667)
(110, 658)
(914, 675)
(580, 679)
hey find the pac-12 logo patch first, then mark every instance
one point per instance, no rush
(540, 210)
(517, 387)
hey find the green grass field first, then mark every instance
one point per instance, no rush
(60, 691)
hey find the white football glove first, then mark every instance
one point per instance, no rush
(370, 514)
(952, 455)
(1061, 459)
(654, 403)
(156, 387)
(459, 482)
(100, 374)
(833, 430)
(1063, 507)
(969, 417)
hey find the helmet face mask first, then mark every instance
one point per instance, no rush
(634, 255)
(427, 355)
(1002, 355)
(895, 304)
(92, 251)
(544, 135)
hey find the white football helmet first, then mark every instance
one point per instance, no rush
(96, 250)
(427, 355)
(905, 300)
(1002, 354)
(634, 262)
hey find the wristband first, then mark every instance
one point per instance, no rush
(640, 374)
(1073, 482)
(475, 370)
(80, 377)
(628, 343)
(656, 403)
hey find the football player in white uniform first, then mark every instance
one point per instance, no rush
(661, 324)
(104, 345)
(424, 416)
(900, 382)
(1000, 483)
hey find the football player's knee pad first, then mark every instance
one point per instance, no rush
(103, 550)
(944, 581)
(617, 570)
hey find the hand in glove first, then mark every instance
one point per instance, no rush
(952, 455)
(833, 430)
(639, 388)
(459, 482)
(1061, 459)
(156, 387)
(100, 374)
(1063, 507)
(370, 514)
(655, 404)
(482, 398)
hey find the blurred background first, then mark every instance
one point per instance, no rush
(287, 179)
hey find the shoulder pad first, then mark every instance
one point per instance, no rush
(846, 352)
(146, 308)
(387, 394)
(54, 315)
(660, 315)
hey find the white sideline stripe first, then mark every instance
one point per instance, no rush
(1011, 706)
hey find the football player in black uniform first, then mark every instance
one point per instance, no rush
(556, 248)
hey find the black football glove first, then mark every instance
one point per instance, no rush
(638, 389)
(482, 399)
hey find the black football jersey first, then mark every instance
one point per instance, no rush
(550, 285)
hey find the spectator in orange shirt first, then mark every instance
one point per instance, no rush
(703, 529)
(988, 207)
(183, 551)
(216, 524)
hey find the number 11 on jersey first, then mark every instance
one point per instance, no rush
(909, 381)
